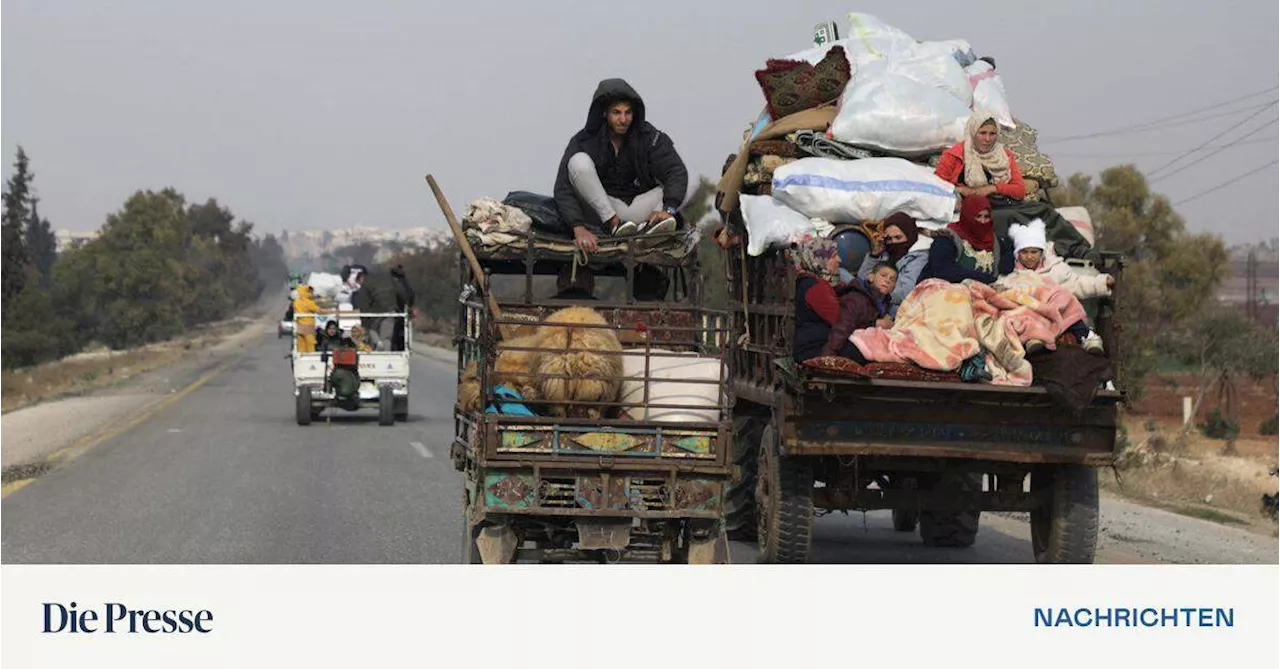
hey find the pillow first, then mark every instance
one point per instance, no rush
(792, 86)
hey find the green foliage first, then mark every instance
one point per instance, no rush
(17, 210)
(433, 275)
(1169, 275)
(1270, 427)
(1217, 427)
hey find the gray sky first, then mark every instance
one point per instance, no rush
(322, 114)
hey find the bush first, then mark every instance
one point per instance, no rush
(1217, 427)
(1268, 427)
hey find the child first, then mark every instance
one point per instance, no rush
(864, 303)
(1029, 243)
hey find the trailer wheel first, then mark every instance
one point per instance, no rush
(784, 503)
(386, 406)
(904, 520)
(1065, 529)
(740, 500)
(952, 529)
(302, 406)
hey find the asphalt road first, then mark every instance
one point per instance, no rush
(224, 475)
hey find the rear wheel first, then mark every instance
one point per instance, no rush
(386, 406)
(784, 503)
(740, 501)
(302, 408)
(947, 528)
(1065, 529)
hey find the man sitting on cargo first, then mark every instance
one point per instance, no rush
(619, 175)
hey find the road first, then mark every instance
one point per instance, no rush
(223, 475)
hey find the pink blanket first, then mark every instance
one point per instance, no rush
(942, 324)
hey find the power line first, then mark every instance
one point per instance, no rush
(1153, 154)
(1226, 183)
(1216, 151)
(1215, 138)
(1147, 124)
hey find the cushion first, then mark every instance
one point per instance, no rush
(792, 86)
(1021, 141)
(898, 371)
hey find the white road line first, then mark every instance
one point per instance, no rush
(422, 450)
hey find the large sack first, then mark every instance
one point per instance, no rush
(771, 224)
(988, 93)
(931, 65)
(848, 191)
(894, 114)
(324, 284)
(540, 208)
(869, 40)
(702, 399)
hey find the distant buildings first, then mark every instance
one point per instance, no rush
(301, 246)
(69, 239)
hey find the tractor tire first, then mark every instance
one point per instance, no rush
(302, 406)
(784, 503)
(947, 528)
(1065, 529)
(740, 500)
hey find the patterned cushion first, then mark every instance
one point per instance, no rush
(835, 365)
(1034, 165)
(898, 371)
(792, 86)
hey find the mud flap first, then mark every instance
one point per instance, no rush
(497, 544)
(604, 534)
(712, 550)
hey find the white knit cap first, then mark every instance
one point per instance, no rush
(1029, 236)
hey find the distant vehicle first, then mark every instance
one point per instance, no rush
(350, 379)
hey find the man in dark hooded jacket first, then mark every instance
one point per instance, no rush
(377, 294)
(619, 175)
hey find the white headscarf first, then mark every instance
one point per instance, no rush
(996, 161)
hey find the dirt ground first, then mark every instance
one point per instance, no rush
(1190, 473)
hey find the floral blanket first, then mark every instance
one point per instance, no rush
(941, 324)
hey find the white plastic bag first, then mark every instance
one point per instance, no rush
(869, 35)
(934, 66)
(988, 92)
(857, 57)
(894, 114)
(771, 224)
(843, 191)
(958, 49)
(323, 284)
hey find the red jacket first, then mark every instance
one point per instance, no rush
(951, 168)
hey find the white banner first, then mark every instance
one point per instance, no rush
(624, 616)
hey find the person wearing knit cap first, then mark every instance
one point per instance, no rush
(1031, 247)
(896, 248)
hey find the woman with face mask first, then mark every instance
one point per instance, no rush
(895, 248)
(968, 248)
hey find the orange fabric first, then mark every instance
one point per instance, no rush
(951, 168)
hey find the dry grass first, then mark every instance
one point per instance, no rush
(100, 368)
(1189, 474)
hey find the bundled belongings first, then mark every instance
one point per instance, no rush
(489, 222)
(858, 190)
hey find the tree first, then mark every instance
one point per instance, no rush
(1227, 347)
(1170, 274)
(42, 246)
(17, 211)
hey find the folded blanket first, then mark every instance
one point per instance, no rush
(774, 147)
(817, 144)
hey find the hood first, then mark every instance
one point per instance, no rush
(608, 92)
(304, 292)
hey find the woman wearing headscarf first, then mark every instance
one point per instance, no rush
(968, 248)
(981, 165)
(900, 234)
(817, 263)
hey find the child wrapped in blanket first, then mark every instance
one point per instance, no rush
(1029, 244)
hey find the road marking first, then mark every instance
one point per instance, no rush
(422, 450)
(149, 412)
(13, 486)
(175, 430)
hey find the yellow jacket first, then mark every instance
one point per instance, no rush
(305, 304)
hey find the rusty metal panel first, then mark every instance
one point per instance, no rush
(700, 494)
(505, 490)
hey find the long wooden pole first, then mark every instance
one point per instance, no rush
(465, 245)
